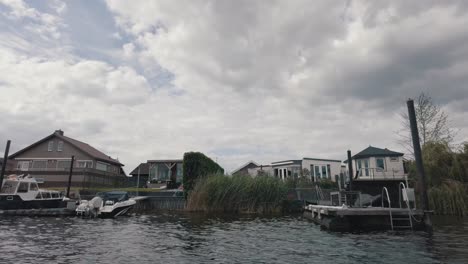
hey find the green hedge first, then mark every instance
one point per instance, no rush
(197, 165)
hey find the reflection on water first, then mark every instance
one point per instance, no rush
(188, 238)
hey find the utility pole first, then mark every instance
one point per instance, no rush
(70, 176)
(5, 161)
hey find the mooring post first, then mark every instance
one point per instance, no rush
(70, 176)
(350, 169)
(5, 161)
(138, 180)
(419, 161)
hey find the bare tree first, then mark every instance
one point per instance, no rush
(433, 124)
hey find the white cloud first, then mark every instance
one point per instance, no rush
(263, 80)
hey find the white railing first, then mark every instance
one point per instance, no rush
(380, 174)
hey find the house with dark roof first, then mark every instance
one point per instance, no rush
(244, 169)
(378, 164)
(141, 172)
(50, 159)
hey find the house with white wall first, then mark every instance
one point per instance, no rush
(312, 168)
(378, 164)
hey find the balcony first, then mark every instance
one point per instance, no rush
(58, 171)
(376, 174)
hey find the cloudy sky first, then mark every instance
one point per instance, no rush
(237, 80)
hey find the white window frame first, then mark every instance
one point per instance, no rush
(60, 146)
(21, 165)
(50, 146)
(78, 162)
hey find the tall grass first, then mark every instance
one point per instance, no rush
(449, 198)
(241, 194)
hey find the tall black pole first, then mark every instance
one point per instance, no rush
(5, 161)
(418, 155)
(70, 176)
(350, 169)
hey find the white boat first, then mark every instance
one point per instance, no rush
(22, 192)
(106, 205)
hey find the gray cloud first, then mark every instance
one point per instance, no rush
(242, 80)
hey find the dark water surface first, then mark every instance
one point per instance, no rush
(185, 238)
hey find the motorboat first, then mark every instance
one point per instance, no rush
(22, 192)
(106, 205)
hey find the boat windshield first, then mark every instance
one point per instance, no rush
(115, 196)
(9, 187)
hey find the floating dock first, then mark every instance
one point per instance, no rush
(343, 218)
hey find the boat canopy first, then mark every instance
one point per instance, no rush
(116, 196)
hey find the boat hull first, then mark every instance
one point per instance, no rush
(12, 202)
(121, 210)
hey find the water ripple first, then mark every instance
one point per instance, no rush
(184, 238)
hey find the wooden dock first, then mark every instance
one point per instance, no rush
(342, 218)
(40, 212)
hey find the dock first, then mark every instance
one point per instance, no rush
(343, 218)
(40, 212)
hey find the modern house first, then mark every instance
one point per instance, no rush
(312, 168)
(49, 159)
(244, 169)
(378, 164)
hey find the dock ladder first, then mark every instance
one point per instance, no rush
(403, 221)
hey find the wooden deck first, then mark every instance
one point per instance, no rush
(352, 211)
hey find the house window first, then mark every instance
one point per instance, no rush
(102, 166)
(317, 172)
(84, 164)
(50, 147)
(39, 164)
(60, 146)
(380, 162)
(324, 171)
(63, 164)
(394, 159)
(23, 165)
(329, 171)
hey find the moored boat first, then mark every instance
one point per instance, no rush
(106, 205)
(22, 192)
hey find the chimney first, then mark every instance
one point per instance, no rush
(59, 132)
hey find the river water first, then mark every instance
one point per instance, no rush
(189, 238)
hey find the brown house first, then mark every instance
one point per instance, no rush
(50, 159)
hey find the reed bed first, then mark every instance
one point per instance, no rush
(238, 194)
(450, 198)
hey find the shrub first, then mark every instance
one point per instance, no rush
(197, 165)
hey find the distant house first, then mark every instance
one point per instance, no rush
(50, 159)
(244, 169)
(378, 164)
(141, 171)
(266, 170)
(165, 170)
(312, 168)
